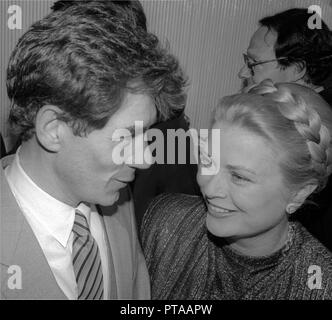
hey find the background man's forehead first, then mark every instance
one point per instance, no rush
(263, 37)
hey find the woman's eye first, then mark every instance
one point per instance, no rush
(239, 178)
(205, 159)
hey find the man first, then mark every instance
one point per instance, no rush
(74, 78)
(285, 49)
(159, 178)
(155, 180)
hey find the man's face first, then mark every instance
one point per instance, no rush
(85, 169)
(261, 48)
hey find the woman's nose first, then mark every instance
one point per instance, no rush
(216, 187)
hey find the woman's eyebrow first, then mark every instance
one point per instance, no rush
(242, 168)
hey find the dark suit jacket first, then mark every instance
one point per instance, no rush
(20, 247)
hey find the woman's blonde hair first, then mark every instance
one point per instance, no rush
(295, 120)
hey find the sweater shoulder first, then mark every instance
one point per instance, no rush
(175, 244)
(171, 210)
(171, 221)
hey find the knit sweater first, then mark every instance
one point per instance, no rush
(186, 262)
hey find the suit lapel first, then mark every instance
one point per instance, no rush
(112, 281)
(117, 229)
(20, 247)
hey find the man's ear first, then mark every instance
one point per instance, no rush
(296, 72)
(302, 195)
(48, 127)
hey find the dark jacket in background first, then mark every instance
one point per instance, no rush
(161, 178)
(2, 147)
(327, 95)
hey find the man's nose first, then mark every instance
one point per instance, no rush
(141, 157)
(244, 73)
(141, 166)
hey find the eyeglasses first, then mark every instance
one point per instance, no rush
(252, 65)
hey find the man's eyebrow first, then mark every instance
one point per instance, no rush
(230, 167)
(132, 131)
(252, 56)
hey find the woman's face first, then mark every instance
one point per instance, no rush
(247, 196)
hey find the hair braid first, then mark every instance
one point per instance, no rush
(307, 122)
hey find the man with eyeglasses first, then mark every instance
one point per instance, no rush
(285, 49)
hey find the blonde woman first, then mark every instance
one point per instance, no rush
(238, 241)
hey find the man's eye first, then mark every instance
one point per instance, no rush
(122, 138)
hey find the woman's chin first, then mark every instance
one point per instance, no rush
(219, 228)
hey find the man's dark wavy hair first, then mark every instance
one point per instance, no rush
(305, 47)
(132, 8)
(84, 60)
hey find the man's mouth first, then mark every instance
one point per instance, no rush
(126, 180)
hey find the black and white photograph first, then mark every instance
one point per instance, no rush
(168, 155)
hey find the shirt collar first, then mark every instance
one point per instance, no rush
(56, 217)
(85, 210)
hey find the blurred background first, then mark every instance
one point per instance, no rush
(207, 36)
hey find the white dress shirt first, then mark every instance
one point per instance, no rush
(52, 221)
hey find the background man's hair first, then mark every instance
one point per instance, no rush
(132, 8)
(308, 48)
(84, 59)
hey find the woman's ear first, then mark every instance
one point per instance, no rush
(301, 196)
(48, 128)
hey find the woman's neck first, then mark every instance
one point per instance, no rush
(263, 244)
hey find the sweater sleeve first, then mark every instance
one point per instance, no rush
(173, 229)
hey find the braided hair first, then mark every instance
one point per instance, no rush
(295, 120)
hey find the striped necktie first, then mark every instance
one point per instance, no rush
(86, 261)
